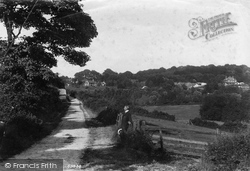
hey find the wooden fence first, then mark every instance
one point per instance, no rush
(177, 145)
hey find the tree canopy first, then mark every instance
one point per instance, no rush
(58, 29)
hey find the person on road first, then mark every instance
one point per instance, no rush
(126, 119)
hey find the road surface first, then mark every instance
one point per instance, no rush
(69, 140)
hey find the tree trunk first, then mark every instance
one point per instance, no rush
(9, 28)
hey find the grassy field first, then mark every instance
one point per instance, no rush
(179, 135)
(181, 112)
(181, 130)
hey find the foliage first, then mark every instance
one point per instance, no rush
(25, 73)
(107, 116)
(110, 77)
(203, 123)
(115, 100)
(59, 28)
(28, 86)
(92, 100)
(71, 93)
(153, 114)
(229, 152)
(23, 129)
(229, 126)
(20, 132)
(109, 97)
(223, 107)
(138, 140)
(235, 127)
(87, 75)
(245, 102)
(170, 84)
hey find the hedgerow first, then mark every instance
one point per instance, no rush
(154, 114)
(235, 127)
(24, 126)
(203, 123)
(229, 153)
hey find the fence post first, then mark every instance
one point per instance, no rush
(218, 131)
(142, 125)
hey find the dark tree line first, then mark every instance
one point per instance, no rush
(222, 106)
(211, 74)
(29, 97)
(26, 60)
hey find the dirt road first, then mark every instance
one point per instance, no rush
(69, 140)
(72, 140)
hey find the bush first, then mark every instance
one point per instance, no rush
(72, 93)
(233, 127)
(229, 152)
(138, 140)
(23, 129)
(162, 115)
(227, 126)
(107, 116)
(203, 123)
(154, 114)
(223, 107)
(93, 99)
(20, 132)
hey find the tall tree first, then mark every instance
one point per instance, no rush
(59, 27)
(88, 74)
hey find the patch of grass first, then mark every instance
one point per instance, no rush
(181, 112)
(181, 130)
(114, 158)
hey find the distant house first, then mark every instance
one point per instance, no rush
(88, 83)
(200, 85)
(244, 87)
(231, 81)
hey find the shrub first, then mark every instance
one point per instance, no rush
(233, 127)
(154, 114)
(203, 123)
(28, 126)
(229, 152)
(138, 140)
(23, 129)
(72, 93)
(20, 132)
(162, 115)
(223, 107)
(107, 116)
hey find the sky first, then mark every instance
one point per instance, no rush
(136, 35)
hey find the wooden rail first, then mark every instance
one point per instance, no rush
(187, 147)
